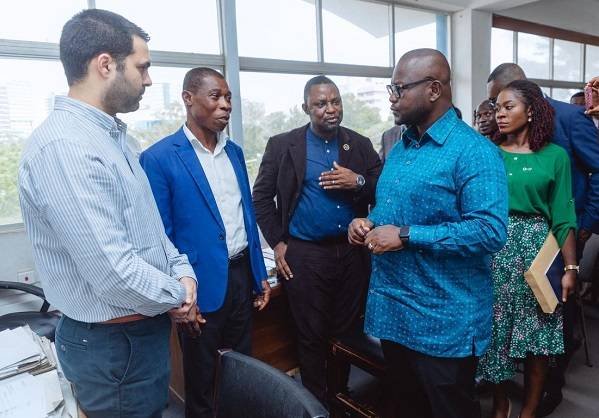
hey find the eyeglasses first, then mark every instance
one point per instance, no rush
(397, 89)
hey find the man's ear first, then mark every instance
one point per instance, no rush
(186, 96)
(436, 91)
(103, 64)
(305, 108)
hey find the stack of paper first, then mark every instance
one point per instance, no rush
(21, 350)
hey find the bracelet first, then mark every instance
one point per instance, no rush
(571, 267)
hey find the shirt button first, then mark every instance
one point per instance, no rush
(510, 174)
(408, 162)
(326, 142)
(417, 145)
(62, 347)
(221, 237)
(515, 158)
(338, 226)
(338, 207)
(328, 151)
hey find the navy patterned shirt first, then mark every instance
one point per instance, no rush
(436, 295)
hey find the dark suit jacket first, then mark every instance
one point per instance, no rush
(577, 134)
(389, 138)
(282, 172)
(191, 217)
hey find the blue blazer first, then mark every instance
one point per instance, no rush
(577, 134)
(191, 218)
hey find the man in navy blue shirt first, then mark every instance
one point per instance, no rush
(322, 175)
(577, 134)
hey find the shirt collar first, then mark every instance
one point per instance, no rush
(113, 125)
(438, 131)
(221, 141)
(310, 134)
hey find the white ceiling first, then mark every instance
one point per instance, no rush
(456, 5)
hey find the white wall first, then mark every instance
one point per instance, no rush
(576, 15)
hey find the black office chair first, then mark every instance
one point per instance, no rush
(43, 323)
(248, 388)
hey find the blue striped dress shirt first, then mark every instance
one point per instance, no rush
(436, 295)
(98, 241)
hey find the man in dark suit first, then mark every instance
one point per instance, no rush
(322, 175)
(389, 138)
(577, 134)
(201, 187)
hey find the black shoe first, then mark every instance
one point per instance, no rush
(548, 403)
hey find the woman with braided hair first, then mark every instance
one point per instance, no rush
(540, 200)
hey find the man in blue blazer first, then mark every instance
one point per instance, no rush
(578, 135)
(201, 187)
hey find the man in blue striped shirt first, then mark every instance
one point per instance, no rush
(441, 210)
(99, 244)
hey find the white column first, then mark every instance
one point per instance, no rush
(471, 58)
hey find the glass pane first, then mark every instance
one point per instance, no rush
(563, 94)
(18, 21)
(592, 62)
(502, 47)
(281, 29)
(27, 91)
(414, 29)
(546, 90)
(533, 55)
(355, 32)
(567, 60)
(266, 112)
(176, 25)
(161, 111)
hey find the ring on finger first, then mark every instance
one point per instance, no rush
(370, 246)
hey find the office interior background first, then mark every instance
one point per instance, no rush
(268, 49)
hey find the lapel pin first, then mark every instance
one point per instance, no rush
(346, 147)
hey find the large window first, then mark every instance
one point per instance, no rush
(27, 91)
(559, 61)
(279, 45)
(277, 29)
(356, 32)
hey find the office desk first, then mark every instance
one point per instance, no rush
(273, 340)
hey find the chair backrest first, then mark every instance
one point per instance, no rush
(246, 387)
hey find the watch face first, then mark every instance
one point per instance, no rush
(360, 180)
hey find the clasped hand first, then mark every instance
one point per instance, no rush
(378, 240)
(188, 316)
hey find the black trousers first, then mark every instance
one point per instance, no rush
(228, 327)
(431, 387)
(326, 299)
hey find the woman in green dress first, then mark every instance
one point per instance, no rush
(540, 200)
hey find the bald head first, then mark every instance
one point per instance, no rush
(425, 62)
(501, 76)
(423, 90)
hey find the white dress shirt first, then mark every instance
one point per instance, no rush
(225, 189)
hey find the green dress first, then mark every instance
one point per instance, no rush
(540, 199)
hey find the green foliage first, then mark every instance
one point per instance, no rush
(10, 154)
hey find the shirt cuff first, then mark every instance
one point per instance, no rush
(422, 236)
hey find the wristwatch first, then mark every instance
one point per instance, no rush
(404, 235)
(360, 180)
(571, 267)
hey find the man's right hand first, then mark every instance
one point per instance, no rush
(193, 322)
(190, 286)
(282, 267)
(357, 230)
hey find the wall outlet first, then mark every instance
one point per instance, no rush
(27, 277)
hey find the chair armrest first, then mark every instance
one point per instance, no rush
(23, 287)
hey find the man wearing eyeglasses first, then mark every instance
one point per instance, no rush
(322, 175)
(441, 211)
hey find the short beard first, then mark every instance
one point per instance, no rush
(121, 96)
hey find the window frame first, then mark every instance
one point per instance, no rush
(231, 64)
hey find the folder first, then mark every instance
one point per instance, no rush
(536, 275)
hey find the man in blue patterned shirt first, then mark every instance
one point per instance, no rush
(441, 211)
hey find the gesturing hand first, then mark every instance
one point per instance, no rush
(357, 230)
(383, 238)
(339, 178)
